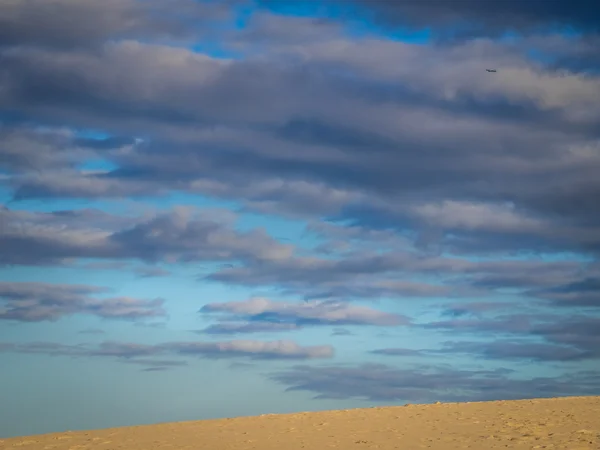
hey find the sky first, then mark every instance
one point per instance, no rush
(217, 209)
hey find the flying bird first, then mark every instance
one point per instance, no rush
(491, 70)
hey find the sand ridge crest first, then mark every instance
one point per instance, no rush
(568, 423)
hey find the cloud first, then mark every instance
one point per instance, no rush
(564, 338)
(36, 302)
(82, 23)
(254, 258)
(581, 332)
(474, 308)
(340, 239)
(501, 324)
(25, 150)
(355, 56)
(38, 238)
(181, 234)
(319, 313)
(151, 272)
(266, 28)
(362, 274)
(382, 383)
(251, 349)
(109, 265)
(248, 327)
(131, 353)
(471, 17)
(46, 348)
(466, 216)
(156, 365)
(584, 292)
(520, 350)
(527, 275)
(405, 273)
(156, 369)
(397, 352)
(452, 143)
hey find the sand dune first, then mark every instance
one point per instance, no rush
(571, 423)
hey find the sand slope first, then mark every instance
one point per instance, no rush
(571, 423)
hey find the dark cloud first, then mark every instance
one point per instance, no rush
(69, 23)
(564, 338)
(368, 275)
(251, 349)
(229, 328)
(340, 239)
(474, 308)
(381, 383)
(584, 293)
(131, 353)
(527, 275)
(581, 332)
(23, 150)
(36, 302)
(452, 161)
(188, 234)
(46, 348)
(265, 28)
(151, 272)
(109, 265)
(183, 234)
(263, 310)
(156, 365)
(520, 350)
(374, 274)
(473, 17)
(502, 324)
(397, 352)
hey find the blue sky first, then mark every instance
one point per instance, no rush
(245, 207)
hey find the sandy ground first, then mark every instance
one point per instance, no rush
(571, 423)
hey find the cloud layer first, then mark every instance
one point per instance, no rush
(267, 312)
(36, 302)
(476, 17)
(378, 382)
(262, 350)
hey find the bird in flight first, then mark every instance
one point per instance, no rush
(491, 70)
